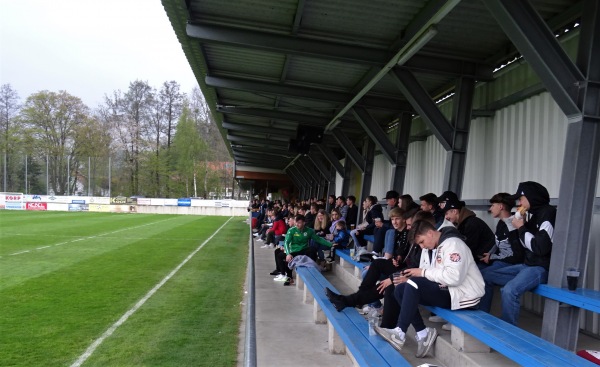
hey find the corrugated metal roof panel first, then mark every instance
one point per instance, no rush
(325, 72)
(244, 61)
(256, 13)
(376, 23)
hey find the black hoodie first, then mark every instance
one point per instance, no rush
(536, 235)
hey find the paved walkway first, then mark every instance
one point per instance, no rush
(285, 332)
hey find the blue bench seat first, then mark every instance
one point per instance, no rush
(583, 298)
(350, 326)
(509, 340)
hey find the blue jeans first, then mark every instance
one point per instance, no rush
(516, 280)
(389, 243)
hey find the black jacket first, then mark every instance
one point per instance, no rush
(375, 212)
(352, 215)
(536, 234)
(503, 234)
(479, 237)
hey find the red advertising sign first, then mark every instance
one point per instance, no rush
(13, 197)
(37, 206)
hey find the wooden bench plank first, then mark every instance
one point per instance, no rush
(511, 341)
(384, 348)
(355, 341)
(583, 298)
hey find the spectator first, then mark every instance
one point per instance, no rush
(341, 238)
(508, 249)
(372, 211)
(330, 203)
(311, 215)
(340, 204)
(275, 233)
(369, 290)
(479, 236)
(429, 203)
(279, 271)
(454, 282)
(407, 202)
(536, 230)
(322, 223)
(382, 226)
(335, 217)
(297, 243)
(352, 215)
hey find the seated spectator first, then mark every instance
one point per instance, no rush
(352, 215)
(479, 237)
(372, 211)
(275, 233)
(341, 238)
(311, 215)
(454, 282)
(330, 203)
(508, 249)
(322, 223)
(340, 205)
(297, 243)
(335, 217)
(407, 202)
(380, 269)
(382, 226)
(429, 203)
(535, 229)
(280, 272)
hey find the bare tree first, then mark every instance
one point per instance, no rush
(52, 119)
(9, 110)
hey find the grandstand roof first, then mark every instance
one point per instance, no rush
(266, 67)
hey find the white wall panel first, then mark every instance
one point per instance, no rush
(380, 183)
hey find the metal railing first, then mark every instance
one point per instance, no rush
(250, 337)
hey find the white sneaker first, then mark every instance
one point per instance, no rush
(368, 309)
(255, 234)
(447, 327)
(424, 345)
(392, 336)
(264, 246)
(283, 278)
(436, 319)
(271, 245)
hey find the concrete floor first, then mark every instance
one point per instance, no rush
(285, 332)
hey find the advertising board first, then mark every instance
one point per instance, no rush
(184, 202)
(36, 206)
(105, 208)
(74, 207)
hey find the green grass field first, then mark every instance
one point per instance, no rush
(65, 278)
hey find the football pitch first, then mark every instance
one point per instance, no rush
(103, 289)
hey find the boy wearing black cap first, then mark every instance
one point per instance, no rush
(536, 229)
(479, 237)
(384, 224)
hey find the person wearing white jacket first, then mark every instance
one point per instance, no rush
(452, 281)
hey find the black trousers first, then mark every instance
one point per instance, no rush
(283, 265)
(408, 297)
(367, 291)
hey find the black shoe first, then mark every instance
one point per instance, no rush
(329, 293)
(274, 272)
(337, 300)
(290, 281)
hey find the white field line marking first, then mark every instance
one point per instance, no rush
(19, 253)
(88, 352)
(91, 237)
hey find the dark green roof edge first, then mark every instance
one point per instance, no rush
(178, 16)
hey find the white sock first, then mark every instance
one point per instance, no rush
(422, 334)
(401, 333)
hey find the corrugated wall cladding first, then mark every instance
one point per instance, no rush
(425, 168)
(382, 173)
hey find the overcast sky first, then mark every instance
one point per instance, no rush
(88, 47)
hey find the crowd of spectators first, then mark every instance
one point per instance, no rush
(436, 253)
